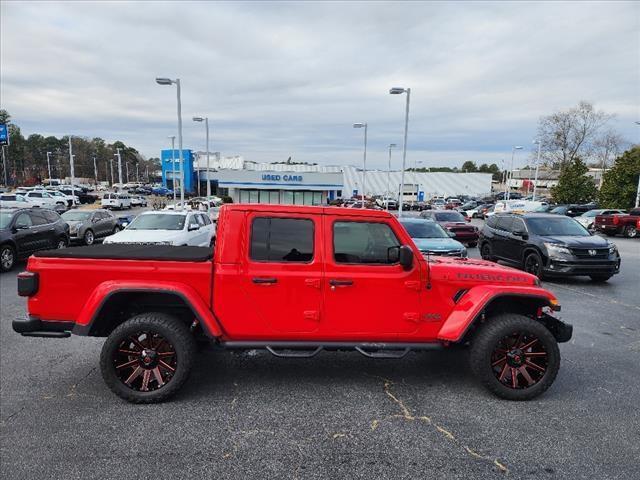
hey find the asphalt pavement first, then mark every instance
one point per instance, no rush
(340, 415)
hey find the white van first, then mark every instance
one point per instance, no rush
(516, 206)
(116, 200)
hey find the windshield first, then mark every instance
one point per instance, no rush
(157, 221)
(5, 219)
(424, 230)
(449, 217)
(76, 216)
(556, 226)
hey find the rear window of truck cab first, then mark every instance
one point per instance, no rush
(275, 239)
(363, 242)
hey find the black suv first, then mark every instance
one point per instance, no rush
(27, 230)
(548, 245)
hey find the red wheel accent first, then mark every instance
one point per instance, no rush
(519, 361)
(145, 361)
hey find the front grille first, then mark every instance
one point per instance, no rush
(600, 253)
(443, 253)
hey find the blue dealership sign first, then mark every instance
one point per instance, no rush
(421, 196)
(4, 134)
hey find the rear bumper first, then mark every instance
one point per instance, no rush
(607, 228)
(34, 327)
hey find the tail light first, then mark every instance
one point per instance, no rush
(27, 284)
(616, 220)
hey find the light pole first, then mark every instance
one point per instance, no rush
(507, 189)
(364, 158)
(206, 124)
(398, 91)
(173, 166)
(95, 170)
(535, 181)
(119, 169)
(391, 145)
(49, 166)
(168, 81)
(71, 170)
(111, 167)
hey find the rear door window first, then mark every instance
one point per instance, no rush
(51, 216)
(281, 240)
(504, 223)
(38, 218)
(363, 242)
(23, 221)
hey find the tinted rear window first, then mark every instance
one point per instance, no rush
(281, 240)
(449, 217)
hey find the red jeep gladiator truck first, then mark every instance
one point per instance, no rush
(625, 224)
(294, 281)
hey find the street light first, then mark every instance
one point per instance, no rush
(173, 166)
(206, 124)
(398, 91)
(364, 159)
(507, 189)
(71, 171)
(391, 145)
(168, 81)
(117, 154)
(49, 166)
(535, 181)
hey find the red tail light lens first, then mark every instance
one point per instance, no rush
(616, 220)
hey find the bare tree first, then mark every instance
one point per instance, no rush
(570, 134)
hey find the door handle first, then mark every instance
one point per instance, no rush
(340, 283)
(265, 281)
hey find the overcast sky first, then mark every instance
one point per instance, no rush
(290, 79)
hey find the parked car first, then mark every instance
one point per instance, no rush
(118, 201)
(619, 224)
(86, 226)
(41, 198)
(84, 197)
(431, 238)
(453, 203)
(13, 200)
(68, 199)
(587, 219)
(24, 231)
(138, 201)
(167, 228)
(478, 210)
(545, 244)
(517, 206)
(454, 222)
(293, 281)
(573, 210)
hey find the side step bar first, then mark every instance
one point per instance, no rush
(310, 349)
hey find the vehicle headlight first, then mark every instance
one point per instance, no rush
(556, 250)
(463, 252)
(612, 248)
(73, 229)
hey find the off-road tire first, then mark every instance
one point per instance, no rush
(485, 341)
(7, 258)
(89, 238)
(174, 331)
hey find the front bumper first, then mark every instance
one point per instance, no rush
(34, 327)
(562, 267)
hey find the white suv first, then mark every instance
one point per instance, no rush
(41, 198)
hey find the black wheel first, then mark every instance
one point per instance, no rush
(600, 278)
(533, 264)
(148, 358)
(630, 231)
(7, 258)
(62, 242)
(486, 253)
(514, 356)
(473, 244)
(89, 237)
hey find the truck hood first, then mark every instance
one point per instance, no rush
(476, 271)
(145, 236)
(437, 244)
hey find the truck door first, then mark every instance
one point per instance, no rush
(283, 276)
(366, 292)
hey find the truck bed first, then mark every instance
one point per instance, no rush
(132, 252)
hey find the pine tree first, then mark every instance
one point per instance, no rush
(574, 185)
(620, 183)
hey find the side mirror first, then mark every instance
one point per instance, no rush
(193, 226)
(406, 257)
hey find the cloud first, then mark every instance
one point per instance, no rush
(281, 79)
